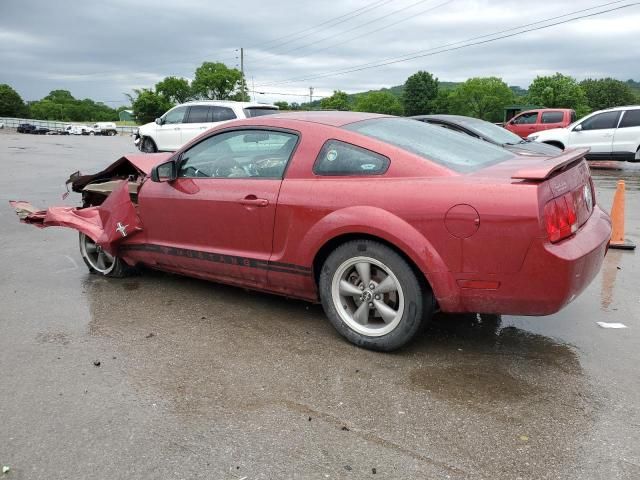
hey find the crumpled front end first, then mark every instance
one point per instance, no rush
(107, 224)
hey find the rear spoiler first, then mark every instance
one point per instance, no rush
(539, 170)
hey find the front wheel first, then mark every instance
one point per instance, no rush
(148, 146)
(372, 296)
(100, 262)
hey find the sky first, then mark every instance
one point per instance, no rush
(102, 50)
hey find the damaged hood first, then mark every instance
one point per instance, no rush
(136, 164)
(146, 161)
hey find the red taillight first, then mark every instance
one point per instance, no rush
(560, 217)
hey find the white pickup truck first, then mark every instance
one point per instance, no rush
(184, 122)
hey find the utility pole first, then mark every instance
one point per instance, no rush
(310, 96)
(244, 83)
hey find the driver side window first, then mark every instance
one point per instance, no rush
(175, 116)
(526, 119)
(239, 154)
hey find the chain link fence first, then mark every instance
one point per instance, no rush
(9, 122)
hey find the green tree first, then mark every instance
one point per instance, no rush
(557, 91)
(420, 91)
(148, 105)
(216, 81)
(11, 104)
(483, 98)
(442, 102)
(607, 92)
(378, 102)
(338, 101)
(282, 105)
(60, 96)
(176, 90)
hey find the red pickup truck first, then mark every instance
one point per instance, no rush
(531, 121)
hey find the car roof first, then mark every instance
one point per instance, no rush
(451, 118)
(228, 103)
(332, 118)
(623, 107)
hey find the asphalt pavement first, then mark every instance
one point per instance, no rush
(164, 377)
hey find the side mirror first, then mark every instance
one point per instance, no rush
(165, 172)
(159, 121)
(578, 128)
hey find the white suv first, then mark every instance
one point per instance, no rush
(612, 134)
(183, 123)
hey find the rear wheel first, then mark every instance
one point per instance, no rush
(148, 145)
(101, 262)
(372, 296)
(555, 144)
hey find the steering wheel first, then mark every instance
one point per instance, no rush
(227, 167)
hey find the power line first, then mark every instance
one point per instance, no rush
(375, 31)
(444, 48)
(309, 31)
(357, 27)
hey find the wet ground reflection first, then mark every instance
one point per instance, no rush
(216, 355)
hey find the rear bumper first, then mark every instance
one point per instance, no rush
(551, 276)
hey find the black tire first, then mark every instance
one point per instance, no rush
(417, 305)
(119, 269)
(147, 145)
(555, 144)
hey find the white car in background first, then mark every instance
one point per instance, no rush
(183, 123)
(612, 134)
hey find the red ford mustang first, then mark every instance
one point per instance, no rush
(382, 219)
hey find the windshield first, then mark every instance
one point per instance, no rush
(490, 131)
(453, 150)
(251, 112)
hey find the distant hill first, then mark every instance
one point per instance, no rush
(398, 89)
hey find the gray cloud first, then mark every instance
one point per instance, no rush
(101, 50)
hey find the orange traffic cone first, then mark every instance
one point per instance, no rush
(617, 220)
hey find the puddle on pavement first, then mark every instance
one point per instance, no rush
(226, 357)
(606, 176)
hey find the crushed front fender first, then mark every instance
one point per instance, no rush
(107, 224)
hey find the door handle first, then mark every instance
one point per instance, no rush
(177, 128)
(203, 128)
(253, 201)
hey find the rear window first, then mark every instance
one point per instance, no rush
(460, 153)
(251, 112)
(340, 158)
(631, 118)
(198, 114)
(552, 117)
(220, 114)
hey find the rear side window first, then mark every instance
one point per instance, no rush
(526, 118)
(552, 117)
(631, 119)
(460, 153)
(251, 112)
(221, 114)
(198, 114)
(601, 121)
(340, 158)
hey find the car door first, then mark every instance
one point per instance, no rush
(626, 138)
(168, 135)
(524, 124)
(195, 122)
(595, 132)
(216, 218)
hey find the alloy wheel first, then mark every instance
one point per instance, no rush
(98, 259)
(367, 296)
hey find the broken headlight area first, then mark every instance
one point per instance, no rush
(108, 212)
